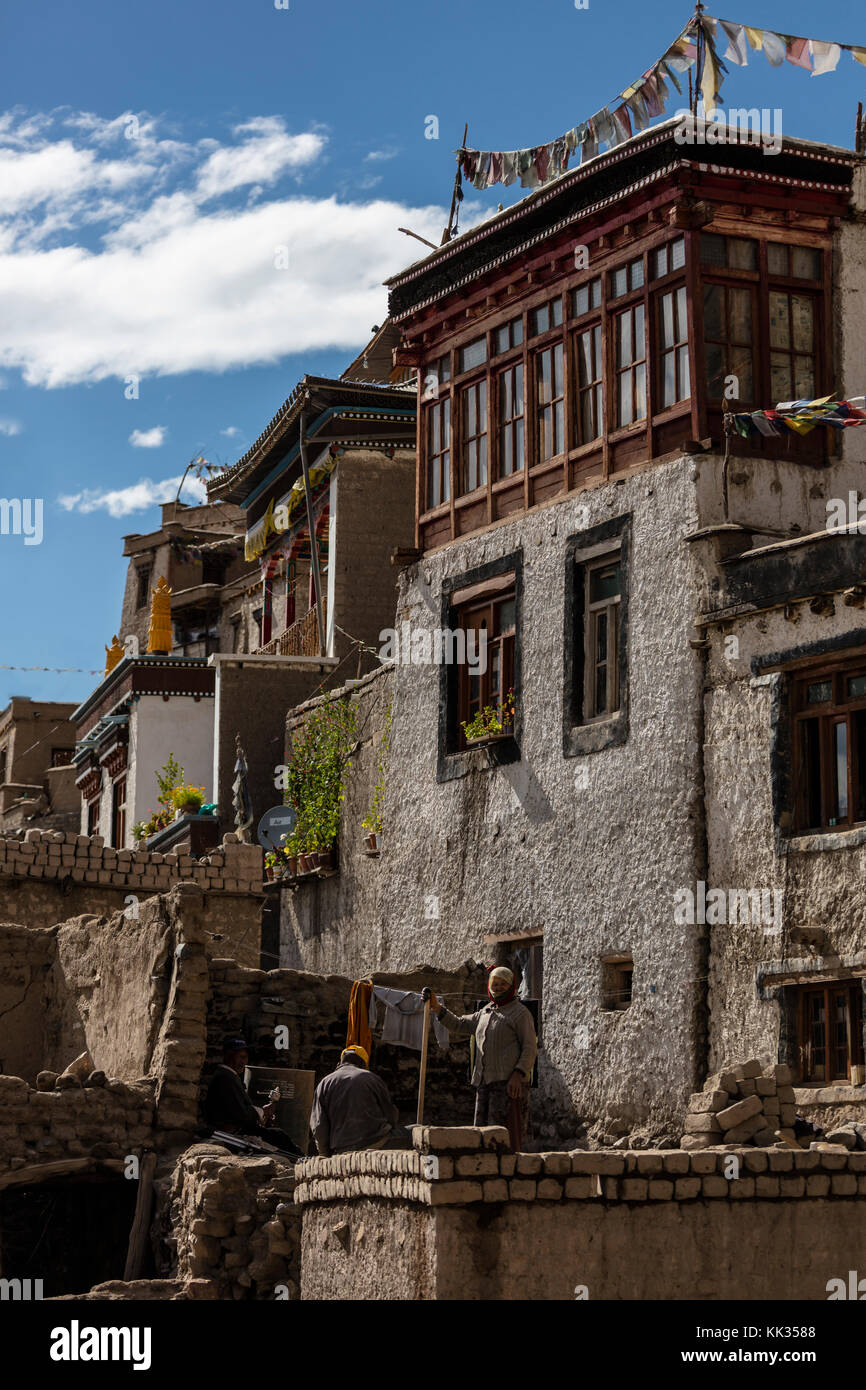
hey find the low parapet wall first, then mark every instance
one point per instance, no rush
(460, 1217)
(50, 876)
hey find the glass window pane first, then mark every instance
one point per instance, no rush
(804, 378)
(584, 358)
(502, 339)
(780, 324)
(473, 355)
(517, 332)
(624, 354)
(856, 687)
(841, 754)
(802, 318)
(625, 407)
(806, 263)
(640, 391)
(715, 357)
(685, 384)
(542, 377)
(669, 379)
(595, 295)
(604, 582)
(639, 340)
(557, 370)
(742, 254)
(635, 275)
(713, 249)
(580, 303)
(777, 258)
(682, 317)
(678, 253)
(667, 321)
(818, 692)
(540, 319)
(780, 377)
(741, 316)
(518, 446)
(556, 312)
(619, 282)
(660, 262)
(713, 311)
(506, 614)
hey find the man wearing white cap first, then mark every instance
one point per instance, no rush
(505, 1052)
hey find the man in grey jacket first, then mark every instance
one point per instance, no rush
(352, 1109)
(505, 1052)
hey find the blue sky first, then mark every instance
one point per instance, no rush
(152, 160)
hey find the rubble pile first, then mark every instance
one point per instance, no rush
(742, 1105)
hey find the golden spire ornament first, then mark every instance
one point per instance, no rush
(159, 637)
(113, 654)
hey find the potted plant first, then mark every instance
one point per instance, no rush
(492, 723)
(270, 865)
(187, 800)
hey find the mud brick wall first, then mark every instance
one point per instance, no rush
(48, 877)
(459, 1216)
(47, 1127)
(26, 959)
(314, 1008)
(232, 1221)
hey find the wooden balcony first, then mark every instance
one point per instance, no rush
(301, 639)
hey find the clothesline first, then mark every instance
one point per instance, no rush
(798, 416)
(632, 109)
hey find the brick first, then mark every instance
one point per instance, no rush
(748, 1070)
(736, 1114)
(703, 1163)
(674, 1161)
(756, 1161)
(772, 1105)
(742, 1134)
(767, 1185)
(699, 1141)
(714, 1186)
(528, 1165)
(495, 1190)
(550, 1189)
(780, 1160)
(478, 1166)
(556, 1165)
(649, 1161)
(785, 1094)
(634, 1189)
(522, 1190)
(609, 1164)
(455, 1193)
(787, 1115)
(660, 1189)
(580, 1188)
(721, 1081)
(437, 1138)
(843, 1185)
(806, 1161)
(817, 1185)
(507, 1164)
(747, 1088)
(782, 1074)
(609, 1188)
(705, 1102)
(742, 1187)
(765, 1086)
(702, 1123)
(792, 1185)
(685, 1189)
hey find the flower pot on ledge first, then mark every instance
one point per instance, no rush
(374, 841)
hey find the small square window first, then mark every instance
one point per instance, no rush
(473, 355)
(627, 277)
(777, 258)
(735, 253)
(439, 370)
(508, 336)
(586, 297)
(616, 983)
(669, 258)
(806, 263)
(547, 316)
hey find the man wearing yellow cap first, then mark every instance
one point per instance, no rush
(352, 1109)
(505, 1052)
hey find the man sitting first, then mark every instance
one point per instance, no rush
(228, 1107)
(352, 1109)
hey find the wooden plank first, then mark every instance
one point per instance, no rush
(141, 1219)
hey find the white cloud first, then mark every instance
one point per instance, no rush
(148, 439)
(113, 267)
(261, 159)
(135, 498)
(231, 432)
(10, 427)
(375, 155)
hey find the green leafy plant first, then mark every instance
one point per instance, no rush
(492, 720)
(157, 820)
(169, 776)
(373, 819)
(320, 752)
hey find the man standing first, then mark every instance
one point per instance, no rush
(505, 1052)
(352, 1109)
(228, 1107)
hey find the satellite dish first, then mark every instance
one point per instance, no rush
(275, 825)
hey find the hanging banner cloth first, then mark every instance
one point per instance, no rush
(633, 109)
(800, 416)
(278, 516)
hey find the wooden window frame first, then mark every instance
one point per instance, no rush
(790, 352)
(594, 388)
(118, 812)
(444, 406)
(555, 407)
(469, 616)
(478, 386)
(853, 988)
(592, 611)
(510, 425)
(828, 715)
(631, 368)
(677, 349)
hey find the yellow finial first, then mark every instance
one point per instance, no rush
(159, 637)
(113, 654)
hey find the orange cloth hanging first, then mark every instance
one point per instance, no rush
(358, 1030)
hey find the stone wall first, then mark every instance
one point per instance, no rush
(47, 877)
(314, 1009)
(458, 1217)
(232, 1221)
(54, 1132)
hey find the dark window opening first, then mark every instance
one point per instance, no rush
(60, 757)
(829, 744)
(71, 1233)
(830, 1032)
(143, 592)
(616, 983)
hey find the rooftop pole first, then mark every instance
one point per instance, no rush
(699, 61)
